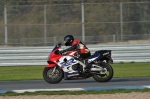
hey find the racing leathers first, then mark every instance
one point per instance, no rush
(83, 50)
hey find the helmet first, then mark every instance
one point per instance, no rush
(68, 39)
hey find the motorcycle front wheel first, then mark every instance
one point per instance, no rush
(105, 75)
(52, 76)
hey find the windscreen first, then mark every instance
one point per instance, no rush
(55, 48)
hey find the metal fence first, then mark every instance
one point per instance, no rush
(35, 25)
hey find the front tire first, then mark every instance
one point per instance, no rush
(104, 77)
(52, 77)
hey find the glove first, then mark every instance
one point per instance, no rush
(61, 52)
(59, 44)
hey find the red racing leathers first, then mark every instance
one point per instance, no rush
(78, 45)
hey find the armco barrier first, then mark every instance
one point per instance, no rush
(16, 56)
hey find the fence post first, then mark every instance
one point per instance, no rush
(45, 34)
(5, 22)
(83, 27)
(121, 22)
(114, 38)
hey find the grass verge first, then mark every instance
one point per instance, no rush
(121, 70)
(75, 92)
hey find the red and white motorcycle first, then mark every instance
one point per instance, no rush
(68, 67)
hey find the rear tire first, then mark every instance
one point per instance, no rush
(52, 78)
(104, 77)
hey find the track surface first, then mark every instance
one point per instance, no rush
(86, 83)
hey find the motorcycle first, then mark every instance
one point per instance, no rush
(67, 66)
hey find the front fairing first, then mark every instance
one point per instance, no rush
(53, 56)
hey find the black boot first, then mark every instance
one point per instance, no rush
(88, 67)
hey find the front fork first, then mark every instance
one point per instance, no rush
(54, 70)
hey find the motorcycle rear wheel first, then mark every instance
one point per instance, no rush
(104, 77)
(52, 78)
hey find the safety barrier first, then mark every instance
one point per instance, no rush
(19, 56)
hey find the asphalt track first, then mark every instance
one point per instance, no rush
(86, 84)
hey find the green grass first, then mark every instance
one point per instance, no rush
(121, 70)
(21, 73)
(132, 69)
(75, 92)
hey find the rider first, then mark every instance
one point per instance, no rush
(84, 52)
